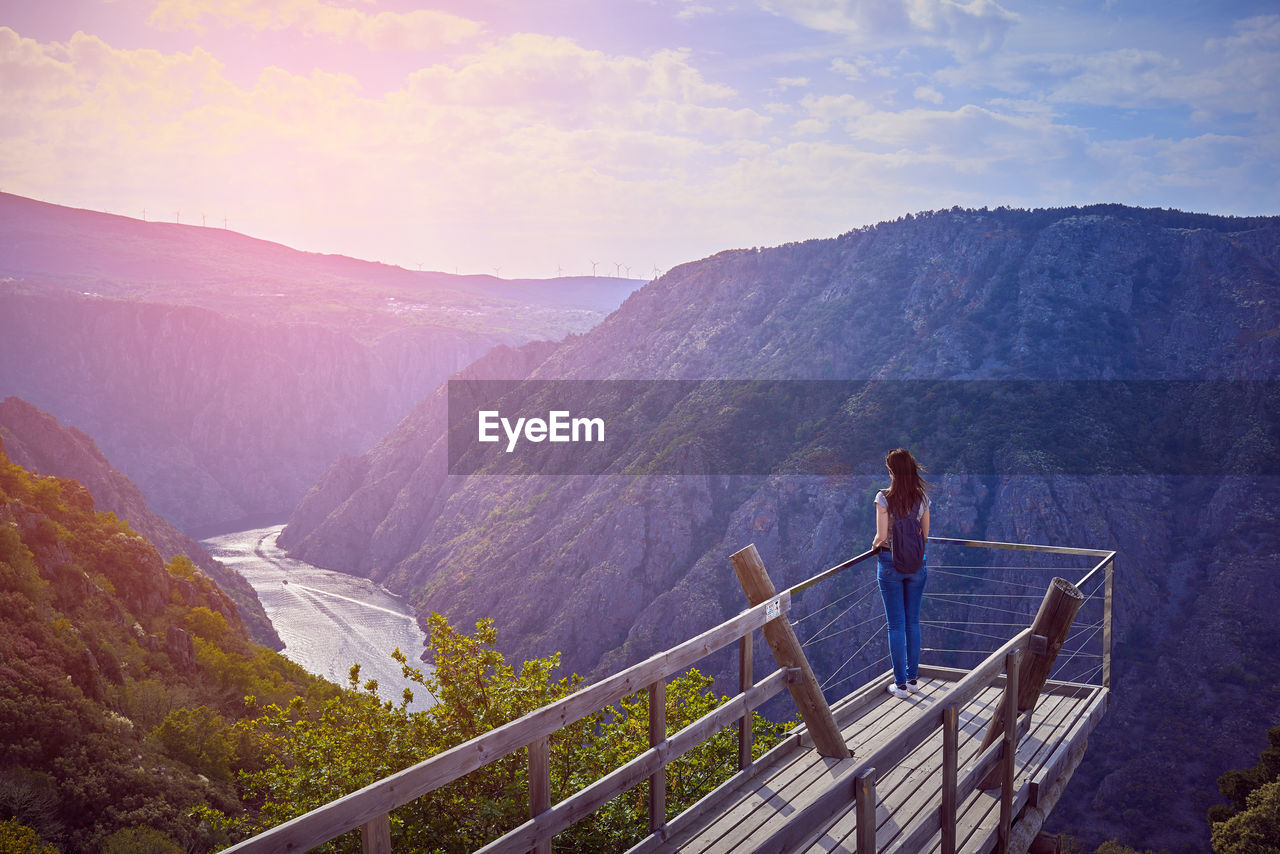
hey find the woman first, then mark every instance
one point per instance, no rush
(906, 496)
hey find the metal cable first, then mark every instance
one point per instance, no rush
(990, 595)
(855, 674)
(850, 658)
(1000, 638)
(1023, 614)
(1011, 567)
(1023, 584)
(839, 632)
(1068, 659)
(817, 634)
(834, 602)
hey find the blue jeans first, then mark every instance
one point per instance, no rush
(902, 595)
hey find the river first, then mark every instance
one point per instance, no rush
(327, 620)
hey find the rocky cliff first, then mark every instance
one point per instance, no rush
(609, 569)
(37, 442)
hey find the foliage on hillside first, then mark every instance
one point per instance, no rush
(1252, 821)
(314, 750)
(106, 653)
(137, 716)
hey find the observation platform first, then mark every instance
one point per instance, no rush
(972, 762)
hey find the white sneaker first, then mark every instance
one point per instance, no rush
(913, 687)
(900, 693)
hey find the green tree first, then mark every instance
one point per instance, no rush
(198, 738)
(1237, 785)
(140, 840)
(1256, 829)
(1251, 823)
(314, 751)
(17, 838)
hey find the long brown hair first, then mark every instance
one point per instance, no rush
(908, 487)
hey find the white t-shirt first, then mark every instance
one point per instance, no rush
(883, 501)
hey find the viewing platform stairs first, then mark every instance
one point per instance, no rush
(974, 761)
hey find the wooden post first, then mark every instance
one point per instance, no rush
(950, 776)
(540, 783)
(657, 735)
(782, 640)
(1045, 843)
(1106, 623)
(1053, 621)
(1010, 752)
(746, 678)
(864, 804)
(375, 835)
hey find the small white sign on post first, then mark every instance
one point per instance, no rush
(773, 609)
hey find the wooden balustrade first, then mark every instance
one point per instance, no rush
(858, 781)
(368, 808)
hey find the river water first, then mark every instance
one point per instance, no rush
(327, 620)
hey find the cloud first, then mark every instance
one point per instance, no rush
(520, 150)
(1237, 74)
(975, 27)
(485, 151)
(419, 29)
(562, 82)
(927, 93)
(694, 10)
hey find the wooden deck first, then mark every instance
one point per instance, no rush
(743, 813)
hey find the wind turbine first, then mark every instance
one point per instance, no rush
(593, 263)
(559, 271)
(627, 267)
(656, 271)
(144, 214)
(202, 220)
(617, 269)
(496, 271)
(177, 215)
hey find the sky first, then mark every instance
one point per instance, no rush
(533, 138)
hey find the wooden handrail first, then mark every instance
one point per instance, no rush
(588, 800)
(952, 541)
(1023, 547)
(379, 798)
(827, 573)
(839, 794)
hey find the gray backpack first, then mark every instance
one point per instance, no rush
(908, 542)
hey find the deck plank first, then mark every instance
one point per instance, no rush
(916, 774)
(907, 793)
(784, 792)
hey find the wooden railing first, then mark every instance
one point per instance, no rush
(369, 808)
(856, 787)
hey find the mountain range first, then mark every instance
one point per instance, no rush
(222, 373)
(610, 568)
